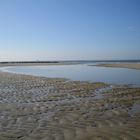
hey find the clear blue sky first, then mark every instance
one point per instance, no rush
(69, 29)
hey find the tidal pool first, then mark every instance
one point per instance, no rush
(83, 72)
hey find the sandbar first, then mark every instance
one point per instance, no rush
(122, 65)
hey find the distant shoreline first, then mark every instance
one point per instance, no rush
(130, 64)
(54, 63)
(71, 61)
(122, 65)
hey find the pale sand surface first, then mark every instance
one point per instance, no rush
(39, 108)
(122, 65)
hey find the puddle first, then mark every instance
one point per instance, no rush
(99, 92)
(134, 109)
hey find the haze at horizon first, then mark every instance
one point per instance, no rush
(69, 29)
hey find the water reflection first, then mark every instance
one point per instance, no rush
(84, 72)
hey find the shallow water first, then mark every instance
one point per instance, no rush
(134, 109)
(83, 72)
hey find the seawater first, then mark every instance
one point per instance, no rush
(83, 72)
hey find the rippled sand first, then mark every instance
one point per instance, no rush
(38, 108)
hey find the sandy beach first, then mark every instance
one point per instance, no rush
(69, 69)
(122, 65)
(39, 108)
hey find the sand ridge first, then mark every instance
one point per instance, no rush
(122, 65)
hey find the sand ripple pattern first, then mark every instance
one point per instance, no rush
(38, 108)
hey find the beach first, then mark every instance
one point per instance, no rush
(69, 69)
(122, 65)
(40, 108)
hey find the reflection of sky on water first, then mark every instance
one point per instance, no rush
(84, 72)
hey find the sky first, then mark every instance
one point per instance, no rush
(69, 29)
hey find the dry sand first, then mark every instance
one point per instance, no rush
(122, 65)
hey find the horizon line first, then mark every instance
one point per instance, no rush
(57, 61)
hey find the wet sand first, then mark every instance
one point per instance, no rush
(122, 65)
(39, 108)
